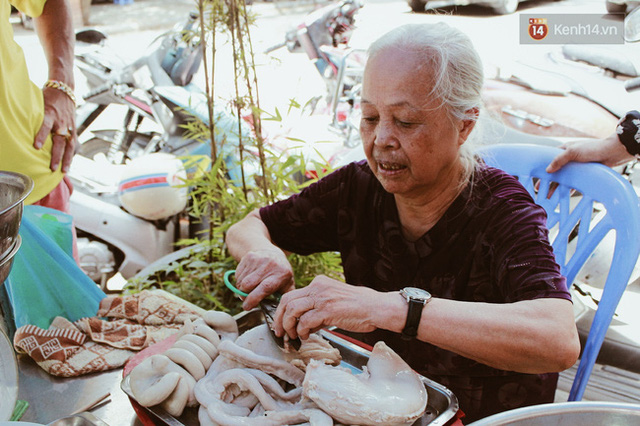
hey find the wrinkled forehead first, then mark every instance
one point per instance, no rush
(423, 56)
(403, 62)
(396, 73)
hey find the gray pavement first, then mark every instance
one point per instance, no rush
(142, 15)
(139, 15)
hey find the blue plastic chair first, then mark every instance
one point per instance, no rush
(597, 184)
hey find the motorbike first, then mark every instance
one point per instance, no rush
(105, 228)
(575, 91)
(323, 36)
(154, 90)
(151, 88)
(145, 198)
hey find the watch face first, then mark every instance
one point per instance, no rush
(416, 293)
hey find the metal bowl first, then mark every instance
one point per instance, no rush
(14, 188)
(567, 413)
(7, 261)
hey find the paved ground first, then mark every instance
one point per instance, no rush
(143, 15)
(139, 15)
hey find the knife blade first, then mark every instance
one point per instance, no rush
(268, 308)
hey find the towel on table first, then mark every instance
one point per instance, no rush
(95, 344)
(149, 307)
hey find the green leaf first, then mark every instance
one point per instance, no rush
(277, 117)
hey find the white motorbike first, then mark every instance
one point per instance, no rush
(127, 216)
(116, 231)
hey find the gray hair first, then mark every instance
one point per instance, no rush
(457, 70)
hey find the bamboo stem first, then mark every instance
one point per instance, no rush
(92, 404)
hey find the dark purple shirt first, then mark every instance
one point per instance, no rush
(491, 245)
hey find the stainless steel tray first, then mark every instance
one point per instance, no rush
(442, 404)
(8, 377)
(80, 419)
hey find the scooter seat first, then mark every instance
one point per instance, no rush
(604, 57)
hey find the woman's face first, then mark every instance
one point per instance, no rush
(411, 143)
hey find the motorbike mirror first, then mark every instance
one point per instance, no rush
(632, 26)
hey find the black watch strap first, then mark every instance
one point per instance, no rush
(410, 330)
(628, 131)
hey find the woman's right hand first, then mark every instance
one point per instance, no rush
(262, 273)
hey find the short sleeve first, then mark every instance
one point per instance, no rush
(307, 222)
(32, 8)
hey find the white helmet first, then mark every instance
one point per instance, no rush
(151, 186)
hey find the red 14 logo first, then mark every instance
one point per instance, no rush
(538, 28)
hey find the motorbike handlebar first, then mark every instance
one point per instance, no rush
(632, 84)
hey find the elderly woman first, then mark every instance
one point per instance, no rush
(445, 259)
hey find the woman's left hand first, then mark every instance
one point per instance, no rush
(326, 302)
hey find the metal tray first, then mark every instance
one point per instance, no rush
(442, 404)
(8, 377)
(80, 419)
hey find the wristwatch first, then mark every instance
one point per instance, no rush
(416, 298)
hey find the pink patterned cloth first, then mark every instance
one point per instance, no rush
(95, 344)
(150, 308)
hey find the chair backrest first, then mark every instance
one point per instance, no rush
(589, 201)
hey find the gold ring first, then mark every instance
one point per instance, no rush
(66, 135)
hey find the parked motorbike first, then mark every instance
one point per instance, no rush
(155, 91)
(324, 35)
(151, 88)
(578, 91)
(575, 91)
(112, 239)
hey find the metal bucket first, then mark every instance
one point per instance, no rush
(567, 413)
(14, 188)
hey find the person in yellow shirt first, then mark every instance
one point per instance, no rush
(37, 125)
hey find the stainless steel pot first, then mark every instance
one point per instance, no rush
(7, 261)
(567, 413)
(14, 188)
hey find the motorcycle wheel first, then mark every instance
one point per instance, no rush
(506, 7)
(417, 5)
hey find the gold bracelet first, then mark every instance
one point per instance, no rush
(63, 87)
